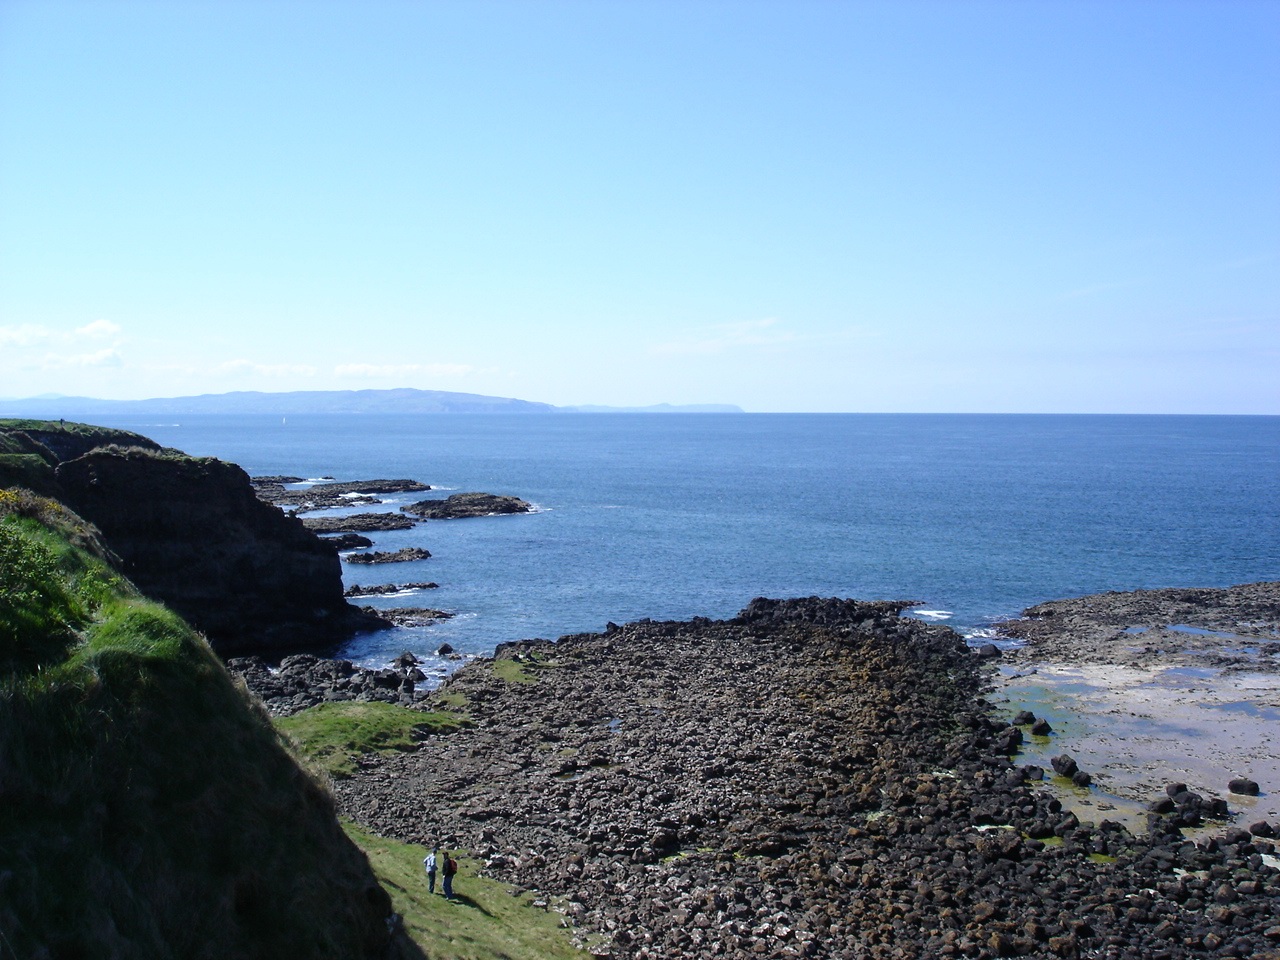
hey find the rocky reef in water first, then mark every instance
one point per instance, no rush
(190, 532)
(462, 505)
(813, 778)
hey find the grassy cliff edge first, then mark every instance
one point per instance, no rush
(150, 808)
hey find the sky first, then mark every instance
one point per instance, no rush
(789, 205)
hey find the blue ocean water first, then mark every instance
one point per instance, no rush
(676, 516)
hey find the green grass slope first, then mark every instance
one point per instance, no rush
(149, 810)
(484, 921)
(30, 450)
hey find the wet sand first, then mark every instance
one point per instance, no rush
(1153, 687)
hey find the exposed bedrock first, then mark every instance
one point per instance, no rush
(1223, 627)
(321, 496)
(403, 555)
(348, 541)
(192, 534)
(380, 589)
(460, 505)
(358, 523)
(813, 778)
(303, 681)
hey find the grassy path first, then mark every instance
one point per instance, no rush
(483, 922)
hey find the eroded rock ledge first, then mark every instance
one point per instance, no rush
(1233, 627)
(321, 496)
(813, 778)
(460, 505)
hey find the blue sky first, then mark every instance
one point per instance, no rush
(791, 206)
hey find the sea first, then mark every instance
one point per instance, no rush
(971, 518)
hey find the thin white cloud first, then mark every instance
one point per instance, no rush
(106, 357)
(98, 330)
(35, 335)
(399, 371)
(251, 368)
(24, 335)
(748, 334)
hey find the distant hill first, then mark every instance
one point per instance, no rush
(297, 402)
(402, 400)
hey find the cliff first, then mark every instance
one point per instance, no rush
(190, 533)
(150, 809)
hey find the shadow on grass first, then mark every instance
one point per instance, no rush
(402, 947)
(466, 901)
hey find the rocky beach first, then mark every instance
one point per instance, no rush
(1176, 683)
(819, 778)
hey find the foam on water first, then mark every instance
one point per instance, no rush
(932, 614)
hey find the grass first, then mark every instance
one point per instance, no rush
(524, 670)
(484, 922)
(149, 808)
(455, 702)
(512, 671)
(335, 735)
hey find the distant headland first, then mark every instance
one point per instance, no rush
(401, 400)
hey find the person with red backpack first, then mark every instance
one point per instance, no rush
(450, 868)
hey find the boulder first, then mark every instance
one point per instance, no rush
(1244, 786)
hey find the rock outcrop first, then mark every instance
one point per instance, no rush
(303, 680)
(460, 505)
(358, 523)
(321, 496)
(191, 533)
(402, 555)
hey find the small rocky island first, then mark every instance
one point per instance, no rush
(462, 505)
(403, 555)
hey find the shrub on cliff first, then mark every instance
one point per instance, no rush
(149, 809)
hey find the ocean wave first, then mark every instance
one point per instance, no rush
(982, 635)
(932, 614)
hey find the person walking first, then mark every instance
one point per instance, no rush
(449, 869)
(429, 862)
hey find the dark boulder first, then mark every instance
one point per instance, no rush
(1244, 786)
(1065, 765)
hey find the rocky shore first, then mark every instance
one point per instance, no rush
(191, 533)
(461, 505)
(1232, 627)
(322, 496)
(304, 680)
(1179, 684)
(358, 523)
(381, 589)
(814, 778)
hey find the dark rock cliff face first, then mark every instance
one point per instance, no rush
(193, 535)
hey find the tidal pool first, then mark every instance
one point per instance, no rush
(1136, 730)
